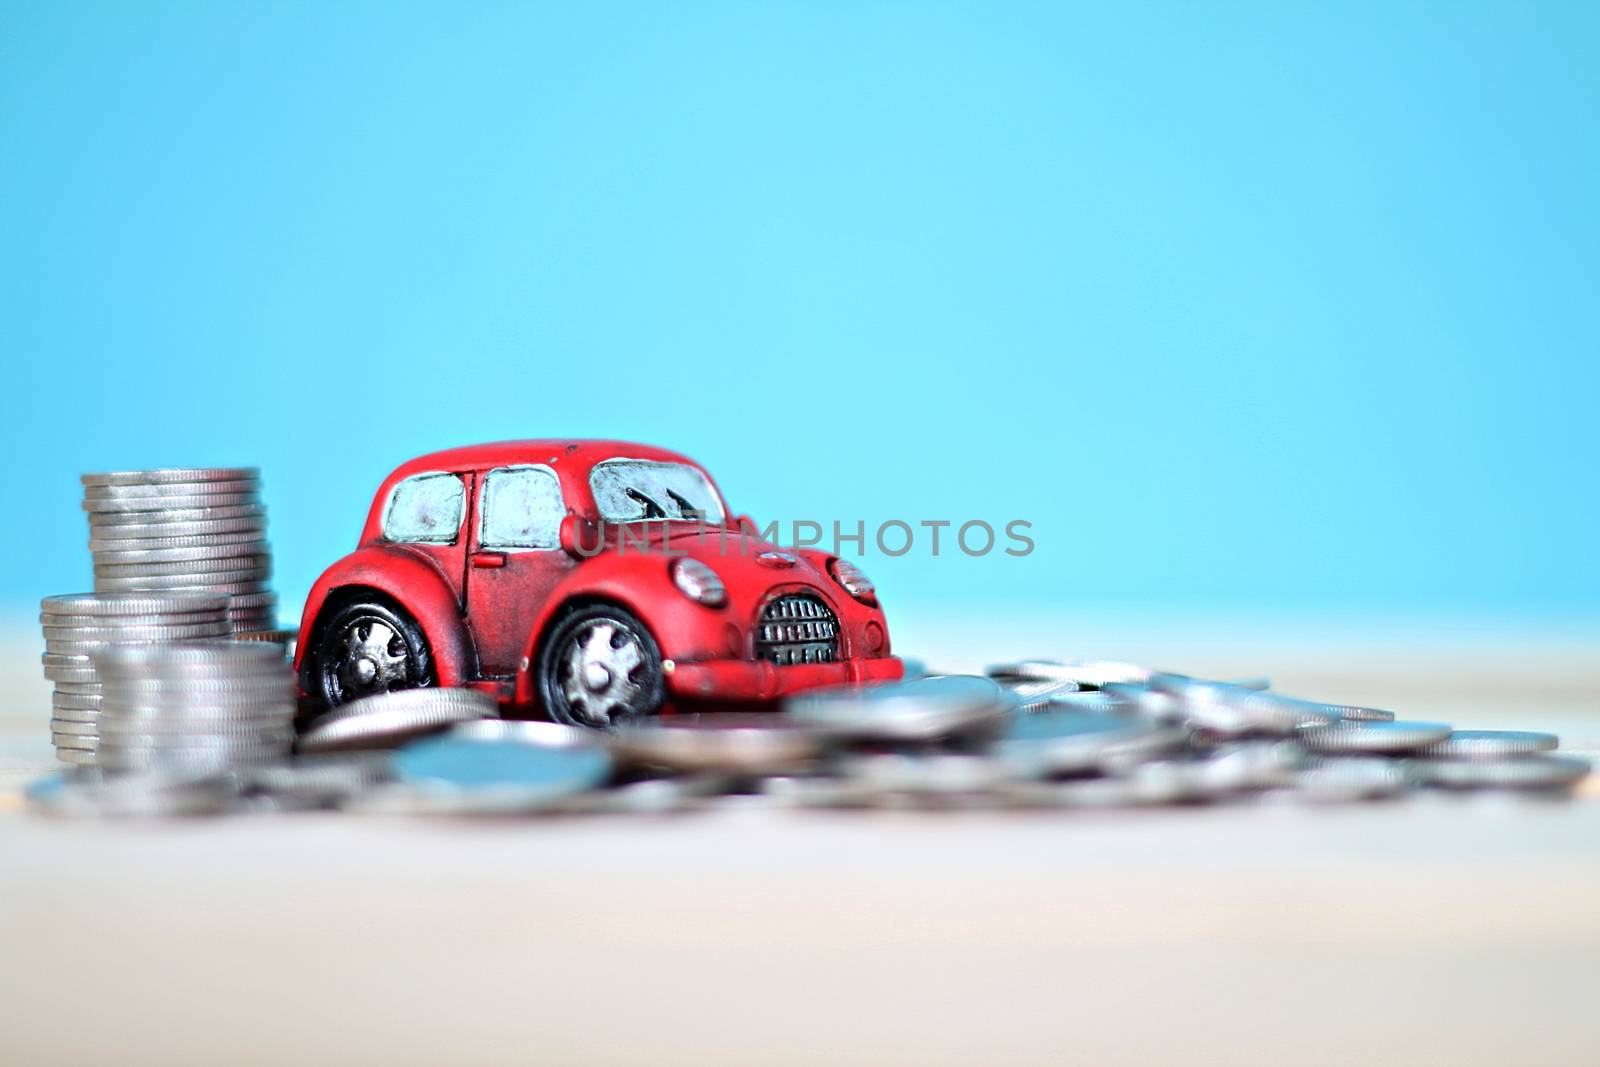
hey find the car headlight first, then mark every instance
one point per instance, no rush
(854, 581)
(699, 583)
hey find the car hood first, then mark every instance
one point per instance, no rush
(738, 558)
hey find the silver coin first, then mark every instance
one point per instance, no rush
(1231, 710)
(106, 622)
(1094, 700)
(77, 757)
(78, 688)
(1335, 781)
(221, 587)
(1085, 673)
(78, 715)
(1149, 785)
(237, 569)
(1479, 744)
(157, 492)
(925, 709)
(138, 604)
(527, 733)
(99, 519)
(157, 528)
(727, 743)
(1245, 766)
(184, 579)
(940, 773)
(75, 701)
(1537, 771)
(1072, 742)
(155, 506)
(266, 601)
(388, 719)
(72, 675)
(192, 554)
(1372, 737)
(144, 796)
(150, 542)
(72, 727)
(165, 475)
(138, 631)
(1036, 696)
(83, 741)
(1357, 713)
(318, 781)
(455, 776)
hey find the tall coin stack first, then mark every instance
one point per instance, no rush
(194, 707)
(76, 626)
(184, 530)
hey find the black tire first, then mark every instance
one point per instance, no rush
(632, 687)
(354, 631)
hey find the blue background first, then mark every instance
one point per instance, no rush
(1270, 306)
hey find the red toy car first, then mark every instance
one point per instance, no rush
(595, 581)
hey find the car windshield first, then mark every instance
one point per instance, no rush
(639, 490)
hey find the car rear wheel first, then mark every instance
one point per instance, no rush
(600, 667)
(367, 647)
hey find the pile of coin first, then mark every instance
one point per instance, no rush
(183, 530)
(1040, 734)
(79, 625)
(193, 707)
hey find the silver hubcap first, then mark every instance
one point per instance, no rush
(375, 659)
(596, 673)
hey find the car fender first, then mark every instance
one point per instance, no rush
(641, 583)
(411, 580)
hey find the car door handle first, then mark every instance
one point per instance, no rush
(488, 559)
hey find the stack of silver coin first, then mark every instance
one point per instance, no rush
(184, 530)
(194, 707)
(76, 626)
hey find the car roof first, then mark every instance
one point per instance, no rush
(565, 452)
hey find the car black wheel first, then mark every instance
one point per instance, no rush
(600, 667)
(368, 647)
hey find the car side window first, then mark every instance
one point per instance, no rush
(522, 508)
(425, 509)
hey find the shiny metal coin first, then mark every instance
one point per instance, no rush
(143, 543)
(69, 727)
(1234, 711)
(1092, 700)
(1244, 766)
(454, 776)
(190, 554)
(728, 743)
(143, 797)
(74, 740)
(1085, 673)
(1036, 696)
(77, 757)
(109, 622)
(1488, 744)
(184, 579)
(1337, 781)
(76, 701)
(249, 529)
(155, 506)
(88, 689)
(934, 773)
(169, 475)
(167, 490)
(527, 733)
(126, 518)
(134, 630)
(221, 587)
(260, 565)
(389, 719)
(1074, 742)
(88, 716)
(71, 675)
(144, 661)
(1152, 785)
(1357, 713)
(138, 604)
(1538, 771)
(1372, 737)
(925, 709)
(309, 782)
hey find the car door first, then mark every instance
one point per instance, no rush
(515, 560)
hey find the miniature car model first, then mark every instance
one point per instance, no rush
(590, 581)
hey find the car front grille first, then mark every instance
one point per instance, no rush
(797, 628)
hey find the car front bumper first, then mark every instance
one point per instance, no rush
(759, 680)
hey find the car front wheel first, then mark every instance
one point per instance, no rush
(368, 647)
(600, 667)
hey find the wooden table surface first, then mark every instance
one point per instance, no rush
(1436, 931)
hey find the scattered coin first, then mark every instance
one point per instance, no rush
(1538, 771)
(386, 720)
(1368, 737)
(763, 743)
(926, 709)
(1484, 744)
